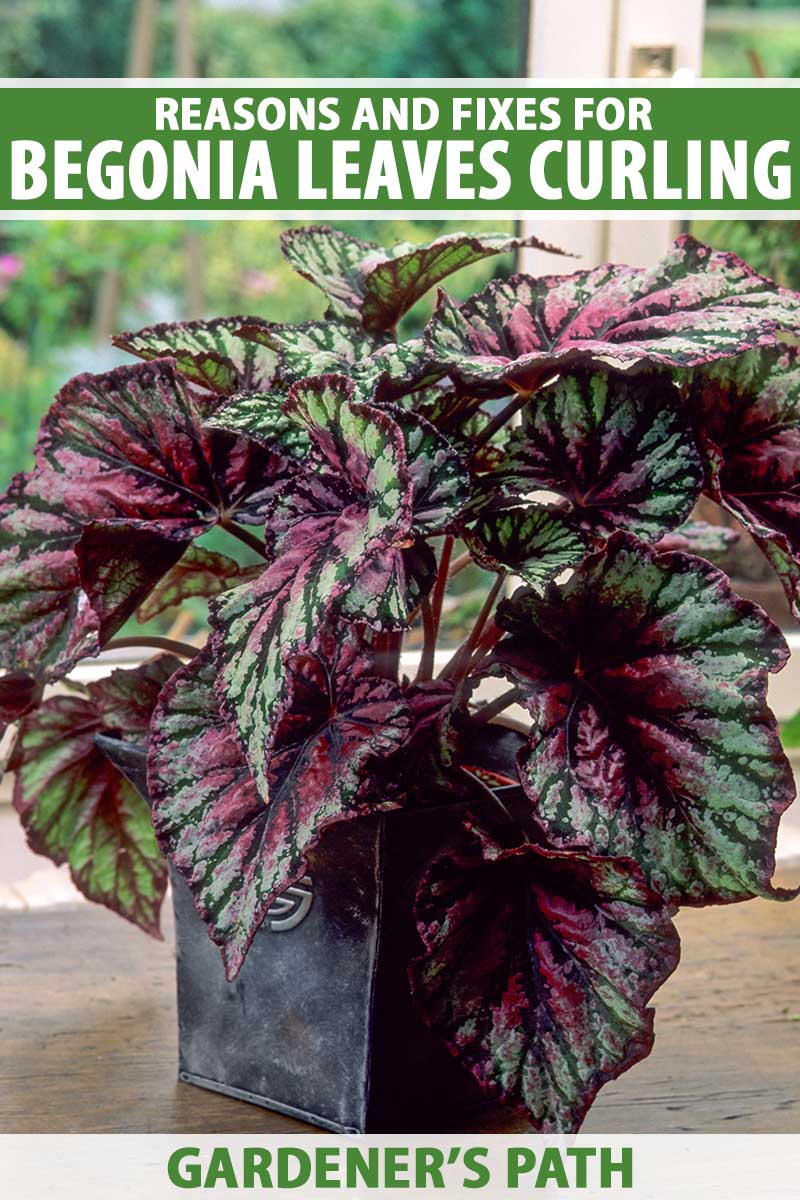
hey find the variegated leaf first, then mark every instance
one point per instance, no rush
(46, 620)
(377, 285)
(618, 449)
(209, 353)
(344, 347)
(74, 804)
(699, 537)
(694, 306)
(343, 538)
(314, 348)
(236, 849)
(747, 414)
(126, 476)
(537, 972)
(646, 679)
(260, 417)
(199, 572)
(536, 543)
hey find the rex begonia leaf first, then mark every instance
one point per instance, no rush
(343, 537)
(45, 616)
(700, 537)
(199, 572)
(125, 468)
(260, 416)
(344, 347)
(20, 693)
(537, 972)
(694, 306)
(536, 543)
(236, 850)
(618, 448)
(131, 445)
(210, 353)
(330, 347)
(378, 285)
(646, 678)
(74, 804)
(747, 414)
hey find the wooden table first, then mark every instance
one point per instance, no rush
(88, 1040)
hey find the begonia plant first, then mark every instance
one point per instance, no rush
(558, 431)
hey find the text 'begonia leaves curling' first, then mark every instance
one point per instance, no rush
(364, 471)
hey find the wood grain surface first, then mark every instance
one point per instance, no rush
(88, 1036)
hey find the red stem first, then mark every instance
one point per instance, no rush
(504, 416)
(441, 581)
(429, 645)
(244, 535)
(464, 653)
(184, 649)
(485, 714)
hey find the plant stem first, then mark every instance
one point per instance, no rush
(244, 535)
(496, 706)
(464, 653)
(500, 419)
(483, 649)
(184, 649)
(429, 645)
(459, 564)
(386, 650)
(442, 576)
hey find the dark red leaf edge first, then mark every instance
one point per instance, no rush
(209, 817)
(452, 944)
(83, 801)
(646, 676)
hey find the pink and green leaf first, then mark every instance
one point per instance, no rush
(646, 679)
(236, 847)
(537, 972)
(694, 306)
(536, 542)
(209, 353)
(343, 538)
(377, 286)
(618, 449)
(77, 808)
(126, 476)
(46, 621)
(747, 413)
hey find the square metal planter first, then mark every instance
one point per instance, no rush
(319, 1023)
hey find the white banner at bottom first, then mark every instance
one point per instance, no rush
(154, 1167)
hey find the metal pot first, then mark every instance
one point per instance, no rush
(319, 1023)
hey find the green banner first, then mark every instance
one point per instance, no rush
(311, 147)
